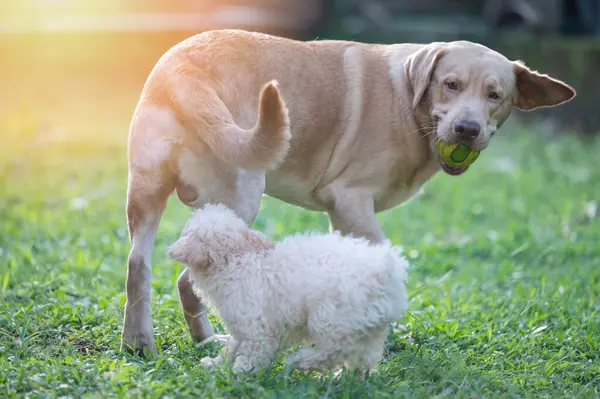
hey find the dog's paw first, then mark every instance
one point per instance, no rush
(139, 343)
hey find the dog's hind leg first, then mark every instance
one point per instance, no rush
(194, 311)
(151, 181)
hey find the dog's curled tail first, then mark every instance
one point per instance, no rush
(262, 146)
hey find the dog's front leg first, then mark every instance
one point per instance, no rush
(353, 212)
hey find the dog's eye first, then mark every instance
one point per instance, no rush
(452, 86)
(493, 95)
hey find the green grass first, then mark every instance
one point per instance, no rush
(504, 289)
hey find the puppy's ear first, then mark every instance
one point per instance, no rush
(187, 250)
(419, 67)
(255, 241)
(537, 90)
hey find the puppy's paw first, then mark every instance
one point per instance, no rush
(248, 364)
(309, 359)
(222, 339)
(211, 363)
(216, 338)
(244, 366)
(362, 374)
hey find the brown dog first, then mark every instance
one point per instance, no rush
(350, 129)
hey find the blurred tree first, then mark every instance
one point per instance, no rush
(581, 17)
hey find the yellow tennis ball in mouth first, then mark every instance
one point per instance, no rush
(457, 155)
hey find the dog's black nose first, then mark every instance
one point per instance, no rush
(467, 130)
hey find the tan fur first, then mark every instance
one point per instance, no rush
(349, 129)
(264, 144)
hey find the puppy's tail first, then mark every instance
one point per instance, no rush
(262, 146)
(396, 267)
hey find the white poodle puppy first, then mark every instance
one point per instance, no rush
(338, 293)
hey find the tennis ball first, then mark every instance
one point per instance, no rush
(457, 155)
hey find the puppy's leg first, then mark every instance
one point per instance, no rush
(369, 351)
(353, 213)
(317, 358)
(252, 355)
(211, 363)
(227, 353)
(343, 337)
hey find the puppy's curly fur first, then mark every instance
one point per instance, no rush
(338, 293)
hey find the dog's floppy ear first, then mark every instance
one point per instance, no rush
(187, 250)
(419, 67)
(537, 90)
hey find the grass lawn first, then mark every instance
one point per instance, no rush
(504, 289)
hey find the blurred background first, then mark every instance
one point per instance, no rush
(86, 60)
